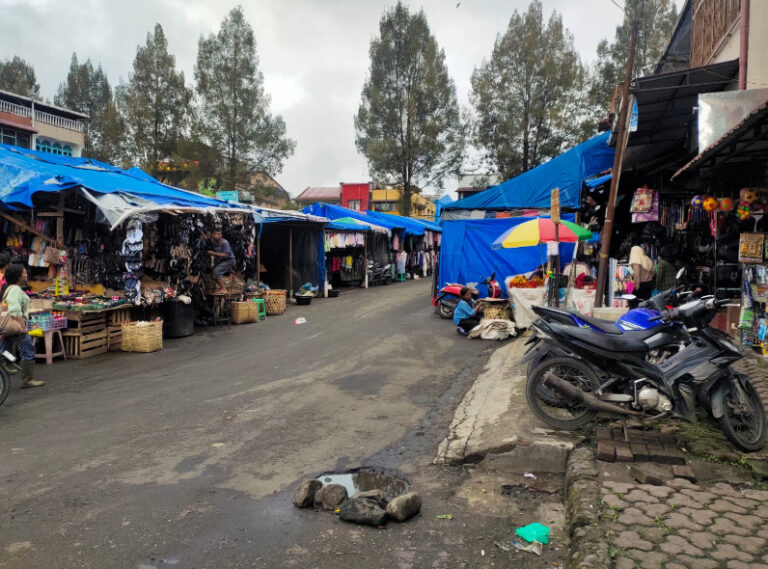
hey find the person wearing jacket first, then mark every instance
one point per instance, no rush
(18, 307)
(643, 270)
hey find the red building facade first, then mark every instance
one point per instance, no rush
(356, 196)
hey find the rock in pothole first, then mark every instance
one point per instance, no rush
(363, 511)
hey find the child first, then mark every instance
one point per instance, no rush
(466, 316)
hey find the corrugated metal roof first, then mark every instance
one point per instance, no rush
(742, 133)
(320, 193)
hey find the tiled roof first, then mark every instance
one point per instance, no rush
(320, 194)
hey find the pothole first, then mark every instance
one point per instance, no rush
(365, 479)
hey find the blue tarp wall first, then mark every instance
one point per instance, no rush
(533, 188)
(466, 254)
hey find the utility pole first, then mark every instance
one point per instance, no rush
(622, 136)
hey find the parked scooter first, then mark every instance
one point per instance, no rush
(448, 298)
(379, 273)
(603, 372)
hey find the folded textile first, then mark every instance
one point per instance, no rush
(493, 329)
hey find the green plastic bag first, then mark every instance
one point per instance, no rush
(534, 532)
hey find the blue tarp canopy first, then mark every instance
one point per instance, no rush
(413, 226)
(466, 254)
(440, 204)
(598, 181)
(532, 189)
(24, 173)
(332, 211)
(348, 224)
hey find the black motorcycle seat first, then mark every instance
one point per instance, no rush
(605, 325)
(627, 342)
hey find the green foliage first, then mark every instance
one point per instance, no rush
(408, 125)
(234, 114)
(87, 91)
(17, 76)
(528, 97)
(156, 103)
(656, 22)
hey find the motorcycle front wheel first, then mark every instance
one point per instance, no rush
(5, 385)
(551, 406)
(743, 421)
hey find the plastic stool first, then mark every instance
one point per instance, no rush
(261, 309)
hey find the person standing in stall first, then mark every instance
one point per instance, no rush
(643, 271)
(223, 259)
(18, 303)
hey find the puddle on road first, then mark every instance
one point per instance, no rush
(364, 480)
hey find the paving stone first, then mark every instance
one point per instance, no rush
(625, 563)
(699, 496)
(618, 487)
(683, 501)
(640, 496)
(676, 520)
(654, 510)
(763, 532)
(650, 474)
(762, 511)
(674, 566)
(759, 495)
(723, 489)
(602, 434)
(754, 545)
(680, 483)
(735, 564)
(724, 526)
(665, 456)
(723, 505)
(684, 545)
(606, 451)
(701, 539)
(633, 516)
(631, 540)
(698, 563)
(745, 520)
(639, 451)
(683, 471)
(743, 502)
(652, 533)
(658, 491)
(726, 551)
(614, 502)
(650, 559)
(703, 517)
(623, 452)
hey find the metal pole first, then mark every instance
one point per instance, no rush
(621, 144)
(290, 262)
(556, 259)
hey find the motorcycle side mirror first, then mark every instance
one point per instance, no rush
(628, 296)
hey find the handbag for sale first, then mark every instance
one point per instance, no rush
(8, 324)
(52, 256)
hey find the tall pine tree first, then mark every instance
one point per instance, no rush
(527, 98)
(234, 111)
(87, 90)
(408, 125)
(18, 76)
(156, 104)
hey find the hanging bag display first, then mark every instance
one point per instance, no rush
(642, 200)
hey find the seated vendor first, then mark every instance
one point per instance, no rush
(467, 313)
(223, 257)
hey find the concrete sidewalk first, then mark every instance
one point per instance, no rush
(493, 422)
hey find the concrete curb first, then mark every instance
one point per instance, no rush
(582, 500)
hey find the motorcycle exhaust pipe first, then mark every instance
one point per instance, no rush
(587, 399)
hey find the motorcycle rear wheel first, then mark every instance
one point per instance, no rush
(444, 310)
(5, 385)
(743, 422)
(550, 406)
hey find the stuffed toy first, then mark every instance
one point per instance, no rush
(710, 204)
(726, 204)
(747, 196)
(697, 202)
(743, 211)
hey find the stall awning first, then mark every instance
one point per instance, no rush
(665, 102)
(413, 225)
(747, 142)
(598, 181)
(334, 212)
(532, 189)
(25, 173)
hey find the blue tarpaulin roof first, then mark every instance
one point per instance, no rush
(598, 181)
(332, 211)
(24, 173)
(413, 225)
(532, 189)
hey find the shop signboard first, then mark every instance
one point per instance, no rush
(229, 196)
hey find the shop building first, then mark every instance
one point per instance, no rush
(35, 125)
(313, 195)
(390, 200)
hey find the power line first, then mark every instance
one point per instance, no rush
(619, 6)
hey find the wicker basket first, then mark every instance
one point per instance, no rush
(496, 311)
(275, 302)
(241, 313)
(142, 337)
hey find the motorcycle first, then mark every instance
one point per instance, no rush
(610, 373)
(448, 298)
(379, 273)
(665, 339)
(8, 368)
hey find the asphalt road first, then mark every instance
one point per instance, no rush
(188, 457)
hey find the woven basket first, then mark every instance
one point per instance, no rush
(241, 313)
(142, 337)
(275, 302)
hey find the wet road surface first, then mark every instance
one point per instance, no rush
(188, 457)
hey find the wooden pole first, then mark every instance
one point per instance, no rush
(290, 262)
(622, 136)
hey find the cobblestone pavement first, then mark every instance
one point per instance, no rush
(681, 525)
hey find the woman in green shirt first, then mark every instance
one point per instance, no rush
(18, 307)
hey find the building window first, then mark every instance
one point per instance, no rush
(14, 137)
(66, 150)
(354, 204)
(385, 206)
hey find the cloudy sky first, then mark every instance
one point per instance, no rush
(313, 54)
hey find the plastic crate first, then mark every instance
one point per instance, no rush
(53, 324)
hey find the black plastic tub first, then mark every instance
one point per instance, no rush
(333, 293)
(303, 300)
